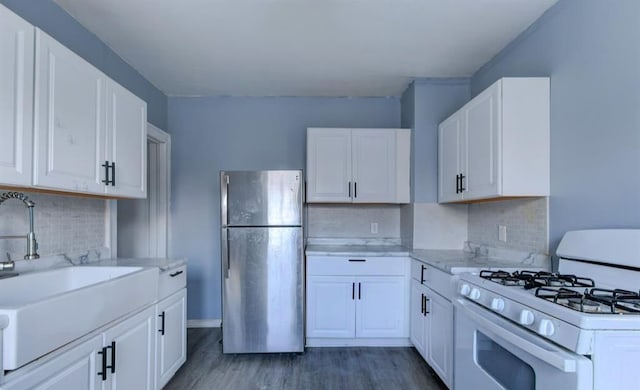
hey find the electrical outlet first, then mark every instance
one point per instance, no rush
(374, 227)
(502, 233)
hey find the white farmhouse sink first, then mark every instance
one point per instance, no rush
(49, 309)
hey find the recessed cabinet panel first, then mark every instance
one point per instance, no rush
(331, 306)
(449, 153)
(483, 146)
(127, 141)
(380, 307)
(69, 126)
(171, 336)
(16, 99)
(417, 317)
(373, 165)
(328, 165)
(439, 335)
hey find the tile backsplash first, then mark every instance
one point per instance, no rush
(63, 225)
(526, 222)
(353, 221)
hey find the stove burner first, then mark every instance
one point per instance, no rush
(532, 279)
(584, 305)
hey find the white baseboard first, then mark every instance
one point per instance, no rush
(204, 323)
(340, 342)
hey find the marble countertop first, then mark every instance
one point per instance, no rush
(163, 264)
(451, 261)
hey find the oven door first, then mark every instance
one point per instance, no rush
(494, 353)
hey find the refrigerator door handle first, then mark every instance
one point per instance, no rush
(224, 242)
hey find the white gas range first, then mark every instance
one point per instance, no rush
(575, 329)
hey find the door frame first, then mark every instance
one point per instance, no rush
(160, 220)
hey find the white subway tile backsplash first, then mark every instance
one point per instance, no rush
(63, 224)
(526, 221)
(353, 221)
(439, 226)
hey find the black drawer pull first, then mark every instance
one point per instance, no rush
(173, 275)
(161, 330)
(423, 268)
(353, 291)
(359, 260)
(103, 373)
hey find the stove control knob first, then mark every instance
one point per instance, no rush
(526, 317)
(465, 289)
(474, 294)
(546, 328)
(497, 304)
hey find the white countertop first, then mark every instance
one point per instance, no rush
(451, 261)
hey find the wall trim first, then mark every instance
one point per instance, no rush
(211, 323)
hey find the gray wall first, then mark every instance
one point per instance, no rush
(53, 20)
(591, 51)
(223, 133)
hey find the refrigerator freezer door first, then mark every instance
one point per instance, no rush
(262, 198)
(263, 291)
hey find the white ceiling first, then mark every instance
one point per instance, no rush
(303, 47)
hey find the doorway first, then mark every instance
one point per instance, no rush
(143, 224)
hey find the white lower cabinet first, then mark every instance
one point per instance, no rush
(357, 301)
(122, 357)
(431, 317)
(171, 335)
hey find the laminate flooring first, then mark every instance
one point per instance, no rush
(317, 369)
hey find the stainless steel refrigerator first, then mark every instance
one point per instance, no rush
(262, 261)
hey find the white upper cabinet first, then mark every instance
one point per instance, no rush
(328, 165)
(16, 99)
(69, 120)
(90, 133)
(126, 142)
(497, 145)
(358, 165)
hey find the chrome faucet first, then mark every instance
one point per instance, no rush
(32, 244)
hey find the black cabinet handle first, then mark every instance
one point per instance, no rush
(359, 290)
(113, 174)
(173, 275)
(353, 291)
(358, 260)
(349, 189)
(426, 311)
(457, 184)
(422, 303)
(113, 357)
(355, 189)
(462, 187)
(423, 268)
(106, 166)
(161, 330)
(103, 373)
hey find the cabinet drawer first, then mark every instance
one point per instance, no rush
(432, 277)
(171, 281)
(357, 265)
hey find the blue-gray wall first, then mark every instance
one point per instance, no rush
(48, 16)
(425, 104)
(223, 133)
(591, 51)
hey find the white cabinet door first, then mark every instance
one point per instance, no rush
(134, 342)
(331, 302)
(16, 99)
(126, 142)
(76, 369)
(483, 146)
(69, 119)
(374, 165)
(439, 335)
(329, 165)
(171, 335)
(380, 308)
(450, 158)
(417, 317)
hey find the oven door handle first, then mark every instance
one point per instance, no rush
(553, 358)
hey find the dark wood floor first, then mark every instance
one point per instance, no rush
(318, 368)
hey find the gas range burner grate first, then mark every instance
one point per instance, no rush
(534, 279)
(594, 300)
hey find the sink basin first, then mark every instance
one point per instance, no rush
(46, 310)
